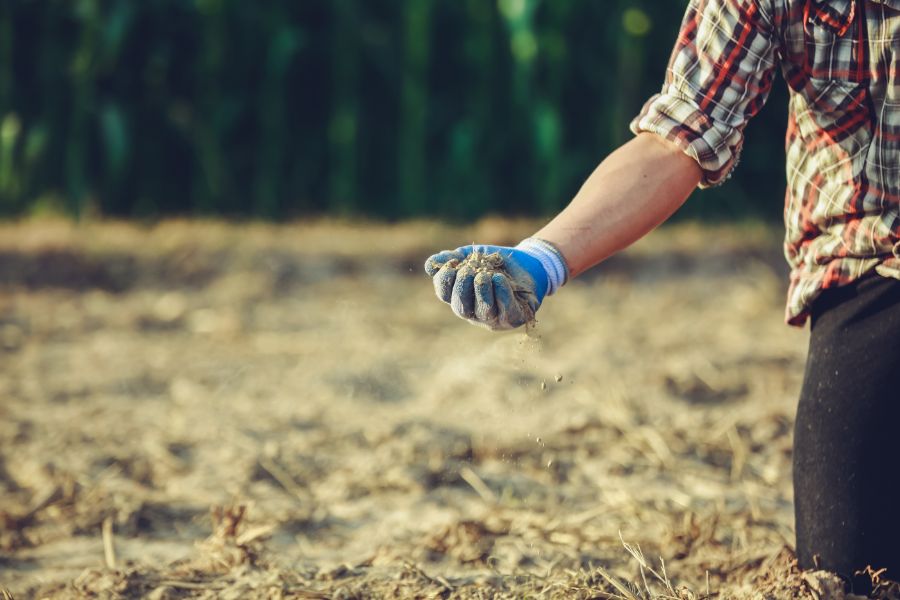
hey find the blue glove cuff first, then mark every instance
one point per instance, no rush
(550, 258)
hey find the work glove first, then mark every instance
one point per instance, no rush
(501, 298)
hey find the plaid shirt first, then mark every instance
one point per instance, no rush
(840, 60)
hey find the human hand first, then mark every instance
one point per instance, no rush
(497, 287)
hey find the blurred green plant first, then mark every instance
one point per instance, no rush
(387, 108)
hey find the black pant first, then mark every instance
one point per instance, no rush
(847, 434)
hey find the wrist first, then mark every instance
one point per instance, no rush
(550, 258)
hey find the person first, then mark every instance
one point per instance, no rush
(842, 236)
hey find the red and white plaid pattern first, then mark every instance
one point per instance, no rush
(841, 60)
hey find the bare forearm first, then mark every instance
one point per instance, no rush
(633, 190)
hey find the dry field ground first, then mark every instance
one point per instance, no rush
(219, 411)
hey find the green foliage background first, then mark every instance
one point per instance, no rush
(387, 108)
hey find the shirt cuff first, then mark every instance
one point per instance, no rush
(715, 146)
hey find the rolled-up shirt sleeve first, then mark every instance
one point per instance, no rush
(719, 76)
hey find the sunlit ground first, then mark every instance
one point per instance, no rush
(379, 445)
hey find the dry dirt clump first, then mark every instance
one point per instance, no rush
(487, 266)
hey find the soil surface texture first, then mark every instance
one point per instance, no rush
(209, 410)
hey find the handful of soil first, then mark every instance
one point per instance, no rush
(497, 293)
